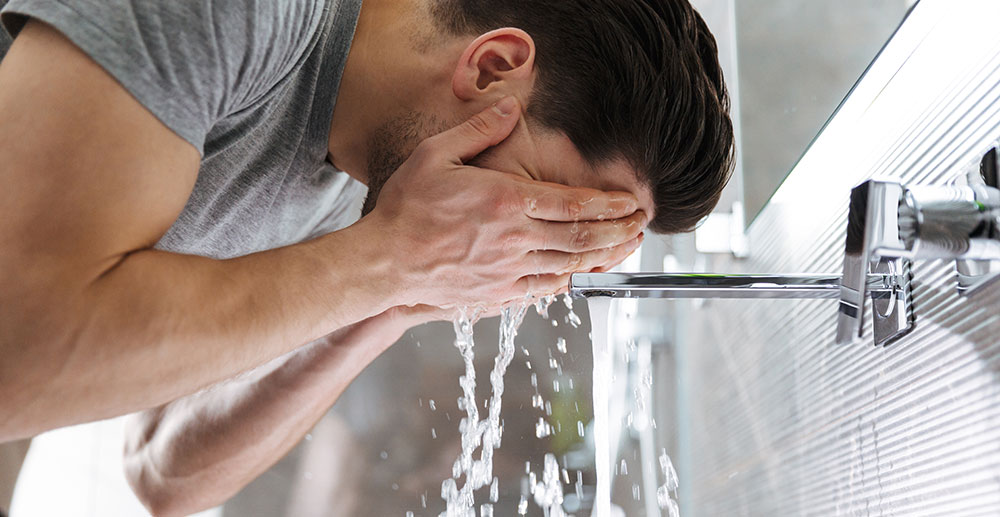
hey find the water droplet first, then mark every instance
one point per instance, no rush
(542, 428)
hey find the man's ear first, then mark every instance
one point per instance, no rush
(498, 63)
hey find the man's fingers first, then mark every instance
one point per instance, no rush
(484, 130)
(541, 285)
(587, 236)
(558, 262)
(552, 202)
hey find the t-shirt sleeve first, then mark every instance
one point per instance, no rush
(4, 37)
(191, 63)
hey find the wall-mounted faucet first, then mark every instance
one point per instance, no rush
(888, 225)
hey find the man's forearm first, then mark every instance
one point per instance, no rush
(198, 451)
(158, 326)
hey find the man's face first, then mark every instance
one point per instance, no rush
(536, 154)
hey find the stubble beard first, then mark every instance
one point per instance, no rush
(389, 147)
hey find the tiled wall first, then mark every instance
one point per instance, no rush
(777, 419)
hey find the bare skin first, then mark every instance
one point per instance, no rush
(96, 323)
(198, 451)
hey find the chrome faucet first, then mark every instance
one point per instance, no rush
(888, 225)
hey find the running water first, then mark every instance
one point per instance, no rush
(549, 493)
(663, 494)
(476, 433)
(599, 309)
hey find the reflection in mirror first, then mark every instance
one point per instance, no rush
(797, 60)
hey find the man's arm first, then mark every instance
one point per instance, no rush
(196, 452)
(94, 322)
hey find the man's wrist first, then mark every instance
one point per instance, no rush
(386, 268)
(374, 266)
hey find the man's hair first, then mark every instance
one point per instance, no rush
(637, 80)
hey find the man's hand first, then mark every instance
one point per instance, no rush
(463, 235)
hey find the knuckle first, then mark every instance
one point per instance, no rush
(575, 263)
(480, 125)
(603, 257)
(583, 240)
(424, 151)
(572, 207)
(497, 204)
(546, 240)
(511, 239)
(504, 201)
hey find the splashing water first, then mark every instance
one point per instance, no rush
(476, 433)
(670, 484)
(549, 493)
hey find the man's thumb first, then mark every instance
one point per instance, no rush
(484, 130)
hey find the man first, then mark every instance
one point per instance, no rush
(198, 451)
(173, 212)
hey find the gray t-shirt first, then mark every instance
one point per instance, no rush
(251, 84)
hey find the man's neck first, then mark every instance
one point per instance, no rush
(392, 67)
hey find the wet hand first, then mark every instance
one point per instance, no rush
(462, 235)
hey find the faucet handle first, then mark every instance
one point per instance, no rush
(874, 246)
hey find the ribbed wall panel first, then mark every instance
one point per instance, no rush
(784, 422)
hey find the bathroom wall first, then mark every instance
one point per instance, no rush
(797, 61)
(774, 418)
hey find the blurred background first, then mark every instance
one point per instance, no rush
(385, 447)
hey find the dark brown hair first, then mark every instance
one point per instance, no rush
(632, 79)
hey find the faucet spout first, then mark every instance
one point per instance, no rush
(709, 285)
(888, 225)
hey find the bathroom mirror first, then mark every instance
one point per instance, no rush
(796, 61)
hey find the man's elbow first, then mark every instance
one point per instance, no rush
(150, 488)
(146, 481)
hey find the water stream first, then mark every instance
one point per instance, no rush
(482, 434)
(599, 312)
